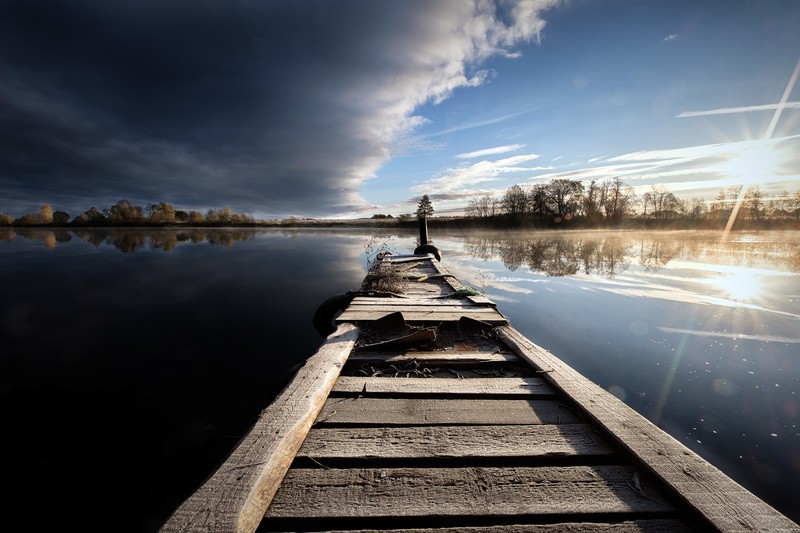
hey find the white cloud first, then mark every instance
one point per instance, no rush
(734, 110)
(463, 178)
(691, 168)
(671, 37)
(491, 151)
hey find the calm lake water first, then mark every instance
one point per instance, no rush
(134, 360)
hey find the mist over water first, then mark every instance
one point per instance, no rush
(134, 360)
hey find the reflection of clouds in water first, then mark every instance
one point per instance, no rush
(638, 327)
(737, 336)
(679, 295)
(500, 298)
(693, 265)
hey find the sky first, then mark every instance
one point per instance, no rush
(334, 109)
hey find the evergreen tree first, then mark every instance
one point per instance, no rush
(425, 207)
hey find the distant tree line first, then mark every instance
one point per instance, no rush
(613, 203)
(125, 213)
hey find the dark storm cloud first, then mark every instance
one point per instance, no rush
(268, 107)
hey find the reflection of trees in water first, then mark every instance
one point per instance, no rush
(127, 242)
(48, 237)
(130, 240)
(555, 256)
(778, 252)
(611, 254)
(654, 254)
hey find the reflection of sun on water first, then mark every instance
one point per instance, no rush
(738, 285)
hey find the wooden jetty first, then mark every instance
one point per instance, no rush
(426, 410)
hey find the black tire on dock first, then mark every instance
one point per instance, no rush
(328, 311)
(428, 249)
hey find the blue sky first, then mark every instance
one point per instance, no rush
(354, 107)
(602, 95)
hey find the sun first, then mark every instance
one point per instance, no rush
(754, 163)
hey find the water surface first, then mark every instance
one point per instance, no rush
(134, 360)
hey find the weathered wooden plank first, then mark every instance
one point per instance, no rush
(454, 441)
(236, 496)
(388, 492)
(634, 526)
(442, 306)
(408, 411)
(720, 499)
(444, 386)
(409, 258)
(438, 357)
(483, 314)
(414, 302)
(480, 300)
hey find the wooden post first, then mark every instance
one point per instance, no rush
(423, 231)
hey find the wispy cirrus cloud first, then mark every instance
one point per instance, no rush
(670, 37)
(463, 179)
(735, 110)
(685, 169)
(491, 151)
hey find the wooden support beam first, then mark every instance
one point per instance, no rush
(725, 503)
(236, 496)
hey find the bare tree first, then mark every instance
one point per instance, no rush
(564, 196)
(617, 200)
(515, 201)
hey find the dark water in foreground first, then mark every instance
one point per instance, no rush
(133, 360)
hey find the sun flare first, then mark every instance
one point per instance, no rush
(757, 162)
(739, 286)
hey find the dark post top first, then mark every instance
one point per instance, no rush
(423, 231)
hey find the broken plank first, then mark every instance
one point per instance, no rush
(408, 411)
(454, 441)
(438, 357)
(423, 492)
(444, 386)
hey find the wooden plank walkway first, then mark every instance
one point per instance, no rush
(467, 427)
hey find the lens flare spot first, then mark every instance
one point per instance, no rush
(638, 327)
(617, 391)
(723, 387)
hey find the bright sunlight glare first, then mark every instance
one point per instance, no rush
(739, 286)
(758, 162)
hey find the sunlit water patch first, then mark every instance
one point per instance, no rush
(698, 334)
